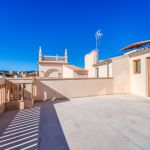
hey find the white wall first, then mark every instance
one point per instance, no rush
(91, 59)
(139, 84)
(67, 73)
(110, 70)
(68, 88)
(76, 75)
(103, 70)
(121, 72)
(46, 88)
(43, 67)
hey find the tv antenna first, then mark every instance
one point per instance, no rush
(98, 36)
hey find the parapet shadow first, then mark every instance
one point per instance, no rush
(51, 135)
(6, 118)
(22, 130)
(35, 128)
(44, 92)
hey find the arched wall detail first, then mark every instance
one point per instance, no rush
(54, 73)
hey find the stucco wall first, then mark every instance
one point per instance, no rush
(91, 59)
(121, 72)
(68, 88)
(103, 70)
(76, 75)
(56, 70)
(67, 73)
(139, 84)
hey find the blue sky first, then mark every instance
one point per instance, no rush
(58, 24)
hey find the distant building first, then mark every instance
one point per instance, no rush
(19, 74)
(96, 68)
(58, 67)
(29, 73)
(7, 74)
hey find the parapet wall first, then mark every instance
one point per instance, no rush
(69, 88)
(46, 88)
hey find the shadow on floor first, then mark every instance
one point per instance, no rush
(21, 129)
(51, 136)
(6, 118)
(30, 129)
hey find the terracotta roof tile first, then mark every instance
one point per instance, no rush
(103, 62)
(136, 45)
(78, 70)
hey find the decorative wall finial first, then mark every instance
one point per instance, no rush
(66, 55)
(40, 49)
(40, 53)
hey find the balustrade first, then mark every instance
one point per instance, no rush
(10, 91)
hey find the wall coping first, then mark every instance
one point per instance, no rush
(66, 79)
(27, 78)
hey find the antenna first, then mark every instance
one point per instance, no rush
(98, 36)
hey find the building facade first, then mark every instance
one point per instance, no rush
(130, 71)
(96, 68)
(71, 71)
(57, 67)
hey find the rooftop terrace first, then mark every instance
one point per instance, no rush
(118, 122)
(53, 59)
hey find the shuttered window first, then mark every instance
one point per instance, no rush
(137, 66)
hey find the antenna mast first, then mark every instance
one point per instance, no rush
(98, 36)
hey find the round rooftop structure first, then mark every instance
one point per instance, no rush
(136, 45)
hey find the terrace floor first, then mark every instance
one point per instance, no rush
(112, 122)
